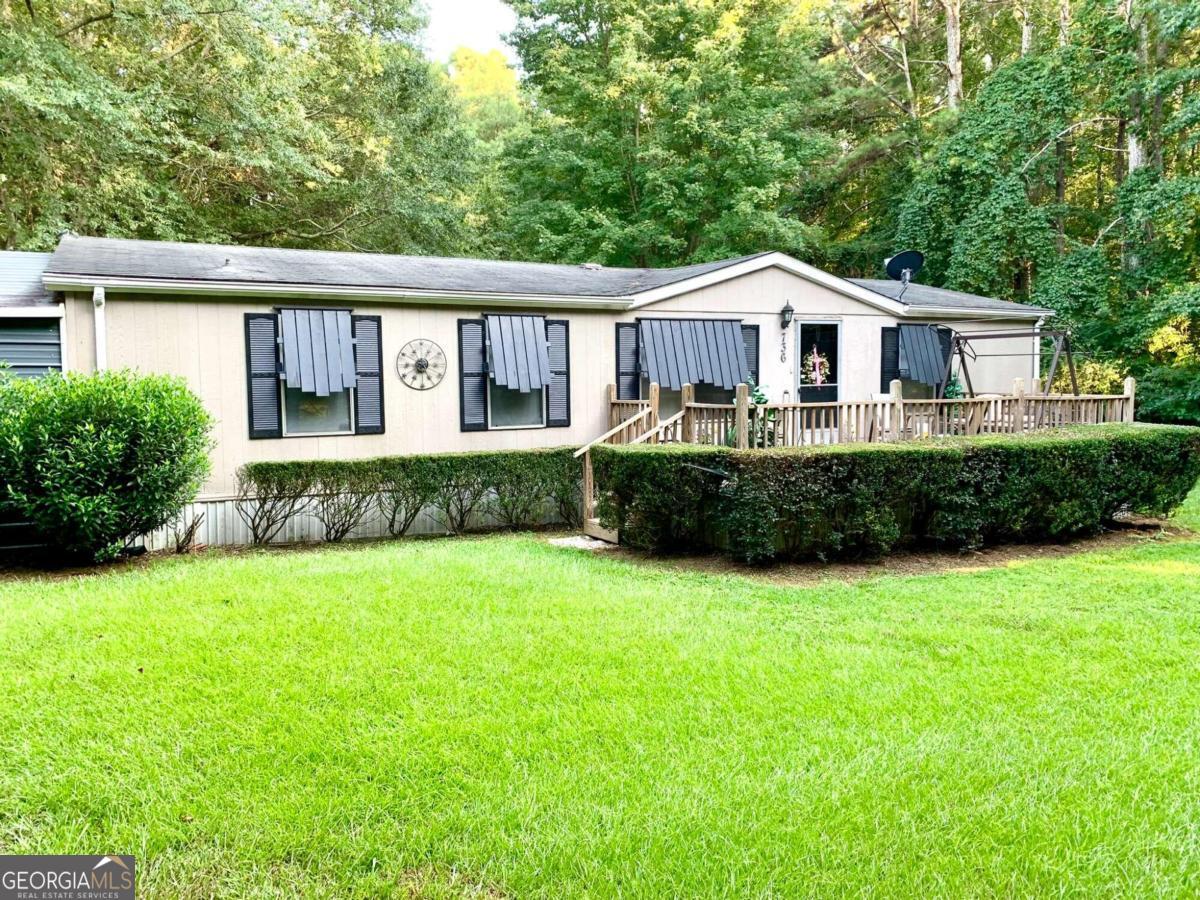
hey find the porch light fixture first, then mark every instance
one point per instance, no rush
(785, 316)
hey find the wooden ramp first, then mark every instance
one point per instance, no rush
(593, 528)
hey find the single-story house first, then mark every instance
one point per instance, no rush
(309, 354)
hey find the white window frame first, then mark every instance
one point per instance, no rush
(545, 411)
(283, 417)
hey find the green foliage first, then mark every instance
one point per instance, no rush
(93, 461)
(1170, 394)
(971, 210)
(866, 500)
(269, 494)
(514, 486)
(269, 122)
(664, 131)
(342, 496)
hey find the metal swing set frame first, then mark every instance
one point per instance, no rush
(960, 346)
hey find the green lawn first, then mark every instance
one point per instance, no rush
(499, 717)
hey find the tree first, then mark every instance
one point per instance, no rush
(267, 122)
(663, 131)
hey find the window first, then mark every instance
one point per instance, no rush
(30, 347)
(914, 355)
(643, 356)
(514, 372)
(671, 402)
(310, 414)
(508, 408)
(313, 371)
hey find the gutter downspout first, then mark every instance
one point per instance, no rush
(101, 332)
(1037, 351)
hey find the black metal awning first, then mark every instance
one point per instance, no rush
(318, 350)
(924, 353)
(518, 356)
(676, 352)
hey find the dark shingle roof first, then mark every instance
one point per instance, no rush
(918, 295)
(21, 279)
(112, 257)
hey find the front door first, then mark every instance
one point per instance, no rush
(817, 362)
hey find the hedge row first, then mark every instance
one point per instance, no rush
(513, 486)
(867, 499)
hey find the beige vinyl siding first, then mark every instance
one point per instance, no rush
(203, 340)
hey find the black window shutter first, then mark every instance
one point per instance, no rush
(558, 392)
(368, 366)
(889, 368)
(262, 375)
(472, 378)
(628, 373)
(750, 339)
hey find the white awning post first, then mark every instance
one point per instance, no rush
(101, 333)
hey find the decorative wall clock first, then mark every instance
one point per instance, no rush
(421, 364)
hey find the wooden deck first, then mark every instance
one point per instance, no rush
(885, 418)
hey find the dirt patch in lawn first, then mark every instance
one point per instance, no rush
(918, 562)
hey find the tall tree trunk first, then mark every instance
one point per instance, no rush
(1136, 151)
(1064, 22)
(954, 72)
(1022, 12)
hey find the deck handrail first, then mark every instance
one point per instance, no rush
(660, 429)
(615, 429)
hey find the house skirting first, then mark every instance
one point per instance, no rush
(223, 527)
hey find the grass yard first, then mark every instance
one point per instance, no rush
(497, 717)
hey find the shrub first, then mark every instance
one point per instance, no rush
(866, 499)
(342, 494)
(93, 461)
(406, 485)
(462, 484)
(1170, 394)
(522, 486)
(514, 485)
(270, 493)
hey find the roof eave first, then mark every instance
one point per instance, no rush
(61, 281)
(974, 312)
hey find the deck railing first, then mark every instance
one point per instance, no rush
(887, 417)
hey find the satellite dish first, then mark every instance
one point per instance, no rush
(904, 265)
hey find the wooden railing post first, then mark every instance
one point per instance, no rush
(742, 417)
(1130, 396)
(611, 394)
(687, 398)
(1019, 411)
(897, 402)
(589, 499)
(653, 398)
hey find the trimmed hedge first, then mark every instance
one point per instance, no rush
(867, 499)
(93, 461)
(513, 486)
